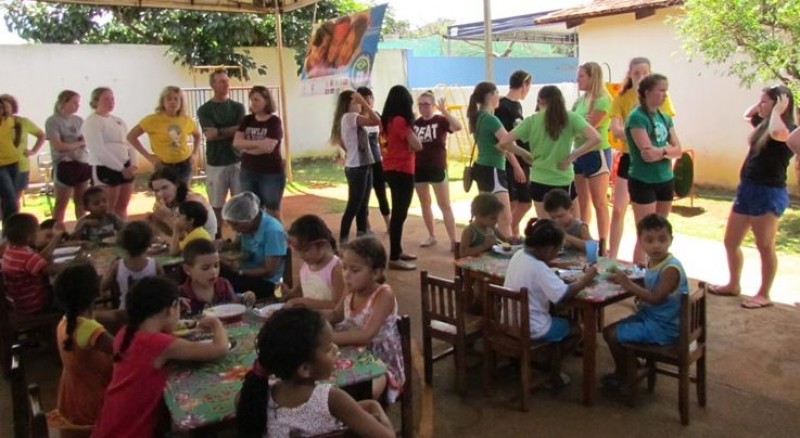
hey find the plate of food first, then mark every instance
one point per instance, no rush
(569, 275)
(633, 272)
(267, 311)
(185, 327)
(157, 247)
(110, 240)
(65, 251)
(64, 259)
(506, 249)
(208, 337)
(227, 312)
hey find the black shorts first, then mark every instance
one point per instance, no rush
(538, 190)
(105, 176)
(648, 193)
(489, 179)
(624, 165)
(519, 192)
(71, 173)
(429, 175)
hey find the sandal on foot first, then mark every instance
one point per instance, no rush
(430, 241)
(756, 303)
(717, 290)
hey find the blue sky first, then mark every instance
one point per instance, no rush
(419, 12)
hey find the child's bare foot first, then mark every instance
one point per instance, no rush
(724, 291)
(756, 302)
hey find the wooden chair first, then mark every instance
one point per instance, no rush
(445, 317)
(288, 271)
(506, 331)
(38, 418)
(18, 391)
(344, 433)
(690, 348)
(13, 323)
(407, 397)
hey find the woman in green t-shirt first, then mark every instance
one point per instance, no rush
(652, 144)
(489, 170)
(592, 169)
(551, 133)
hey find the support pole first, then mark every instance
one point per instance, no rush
(487, 39)
(284, 107)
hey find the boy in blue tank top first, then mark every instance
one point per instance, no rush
(657, 320)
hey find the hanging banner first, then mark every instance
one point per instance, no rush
(341, 52)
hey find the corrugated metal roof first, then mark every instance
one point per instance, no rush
(601, 8)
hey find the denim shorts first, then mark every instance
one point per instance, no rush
(21, 181)
(639, 329)
(756, 199)
(559, 330)
(267, 186)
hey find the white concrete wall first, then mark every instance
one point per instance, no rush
(138, 73)
(709, 104)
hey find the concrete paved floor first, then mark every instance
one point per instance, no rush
(753, 363)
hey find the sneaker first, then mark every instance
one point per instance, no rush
(430, 241)
(558, 382)
(408, 257)
(400, 265)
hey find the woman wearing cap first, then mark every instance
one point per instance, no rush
(263, 241)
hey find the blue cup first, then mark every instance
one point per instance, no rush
(591, 246)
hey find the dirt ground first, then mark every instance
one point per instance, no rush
(753, 370)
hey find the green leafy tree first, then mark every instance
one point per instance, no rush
(193, 37)
(755, 39)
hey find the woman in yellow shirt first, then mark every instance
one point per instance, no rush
(621, 106)
(23, 128)
(8, 164)
(168, 130)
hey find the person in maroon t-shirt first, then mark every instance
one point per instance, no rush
(259, 140)
(431, 163)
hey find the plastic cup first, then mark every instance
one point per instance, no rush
(591, 246)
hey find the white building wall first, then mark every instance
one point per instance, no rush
(137, 74)
(709, 104)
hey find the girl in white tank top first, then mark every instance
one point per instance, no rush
(321, 276)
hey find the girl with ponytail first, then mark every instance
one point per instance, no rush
(84, 346)
(489, 170)
(296, 346)
(141, 352)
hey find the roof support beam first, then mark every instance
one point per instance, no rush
(575, 22)
(644, 13)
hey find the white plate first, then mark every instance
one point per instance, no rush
(267, 311)
(227, 311)
(498, 248)
(64, 259)
(569, 275)
(65, 251)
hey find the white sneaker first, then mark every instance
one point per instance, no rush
(430, 241)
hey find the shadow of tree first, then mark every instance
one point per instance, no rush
(682, 210)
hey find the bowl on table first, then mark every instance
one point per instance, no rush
(64, 251)
(157, 247)
(506, 249)
(227, 312)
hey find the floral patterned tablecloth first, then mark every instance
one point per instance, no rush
(495, 266)
(202, 394)
(103, 256)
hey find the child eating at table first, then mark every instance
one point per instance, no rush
(657, 320)
(135, 238)
(296, 346)
(85, 348)
(204, 286)
(321, 279)
(46, 233)
(529, 269)
(558, 206)
(25, 271)
(99, 223)
(188, 226)
(132, 405)
(482, 233)
(367, 315)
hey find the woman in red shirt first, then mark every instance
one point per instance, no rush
(398, 165)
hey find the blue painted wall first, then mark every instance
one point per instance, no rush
(428, 71)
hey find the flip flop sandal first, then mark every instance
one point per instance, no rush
(755, 303)
(715, 290)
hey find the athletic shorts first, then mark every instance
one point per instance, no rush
(429, 175)
(538, 190)
(593, 163)
(757, 199)
(624, 165)
(489, 179)
(71, 173)
(559, 330)
(648, 193)
(105, 176)
(640, 329)
(220, 180)
(519, 192)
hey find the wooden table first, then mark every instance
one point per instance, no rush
(201, 396)
(590, 302)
